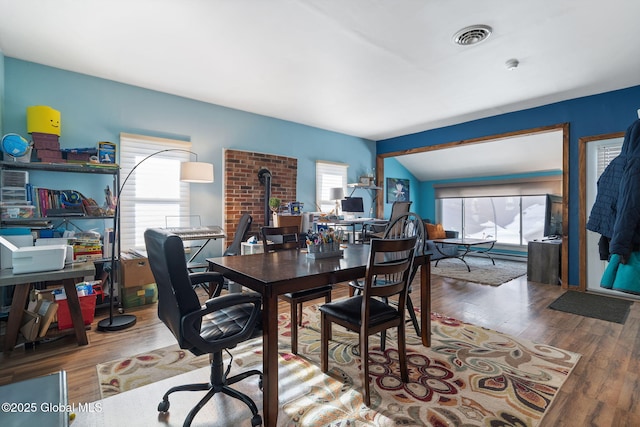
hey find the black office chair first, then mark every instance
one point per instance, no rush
(220, 324)
(387, 275)
(284, 238)
(241, 233)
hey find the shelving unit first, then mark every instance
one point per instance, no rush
(114, 171)
(40, 223)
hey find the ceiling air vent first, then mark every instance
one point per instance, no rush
(472, 35)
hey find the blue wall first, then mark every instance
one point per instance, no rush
(1, 91)
(593, 115)
(394, 169)
(94, 109)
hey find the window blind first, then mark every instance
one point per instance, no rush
(329, 175)
(516, 187)
(605, 154)
(153, 192)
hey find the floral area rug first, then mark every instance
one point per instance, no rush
(470, 376)
(136, 371)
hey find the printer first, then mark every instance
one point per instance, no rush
(34, 259)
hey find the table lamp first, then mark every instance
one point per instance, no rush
(337, 194)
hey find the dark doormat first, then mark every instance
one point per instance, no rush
(596, 306)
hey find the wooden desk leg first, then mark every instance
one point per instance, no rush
(20, 296)
(270, 359)
(74, 310)
(425, 301)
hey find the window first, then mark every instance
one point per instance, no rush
(329, 175)
(512, 220)
(510, 212)
(153, 193)
(606, 153)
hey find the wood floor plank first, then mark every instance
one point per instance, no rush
(604, 389)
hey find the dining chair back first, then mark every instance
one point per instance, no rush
(387, 274)
(280, 238)
(408, 225)
(288, 238)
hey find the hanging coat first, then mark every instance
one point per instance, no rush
(626, 228)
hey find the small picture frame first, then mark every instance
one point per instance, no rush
(397, 190)
(365, 180)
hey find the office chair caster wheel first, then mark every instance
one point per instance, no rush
(163, 406)
(256, 421)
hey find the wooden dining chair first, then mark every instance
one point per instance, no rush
(288, 238)
(387, 275)
(406, 225)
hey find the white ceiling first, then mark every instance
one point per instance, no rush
(515, 155)
(369, 68)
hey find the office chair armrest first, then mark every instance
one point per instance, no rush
(208, 277)
(191, 321)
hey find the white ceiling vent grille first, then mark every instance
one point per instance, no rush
(472, 35)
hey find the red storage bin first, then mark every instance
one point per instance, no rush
(87, 306)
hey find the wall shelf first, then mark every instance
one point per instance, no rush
(364, 186)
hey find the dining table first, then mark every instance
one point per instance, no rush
(275, 273)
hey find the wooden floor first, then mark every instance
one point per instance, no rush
(604, 389)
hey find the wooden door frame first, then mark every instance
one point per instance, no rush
(565, 177)
(582, 203)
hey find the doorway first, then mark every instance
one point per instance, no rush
(591, 164)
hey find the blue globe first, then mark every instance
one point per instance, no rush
(15, 145)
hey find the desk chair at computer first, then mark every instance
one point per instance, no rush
(378, 230)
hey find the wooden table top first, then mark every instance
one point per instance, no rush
(285, 266)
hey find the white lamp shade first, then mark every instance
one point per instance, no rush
(336, 193)
(196, 172)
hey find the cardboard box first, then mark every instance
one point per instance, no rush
(135, 272)
(140, 295)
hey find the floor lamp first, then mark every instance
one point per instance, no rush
(198, 172)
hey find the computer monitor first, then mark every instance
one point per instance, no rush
(352, 205)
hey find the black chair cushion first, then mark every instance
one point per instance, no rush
(350, 310)
(226, 322)
(308, 292)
